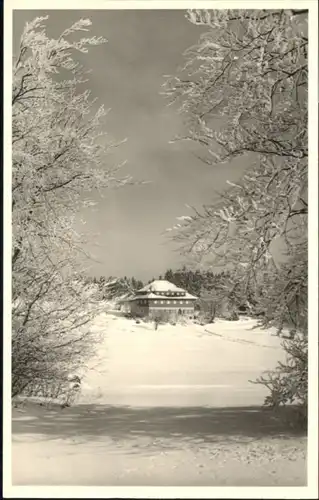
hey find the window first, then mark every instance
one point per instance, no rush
(186, 301)
(155, 301)
(168, 302)
(181, 302)
(175, 301)
(162, 301)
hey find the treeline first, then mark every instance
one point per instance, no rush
(111, 287)
(196, 282)
(217, 293)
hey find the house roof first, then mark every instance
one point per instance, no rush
(187, 296)
(124, 299)
(151, 295)
(161, 286)
(156, 290)
(161, 297)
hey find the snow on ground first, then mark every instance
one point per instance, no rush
(171, 406)
(186, 365)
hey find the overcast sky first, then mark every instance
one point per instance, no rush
(127, 74)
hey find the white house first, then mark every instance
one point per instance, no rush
(158, 297)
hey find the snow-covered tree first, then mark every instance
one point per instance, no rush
(59, 156)
(243, 92)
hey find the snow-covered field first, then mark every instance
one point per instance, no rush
(180, 365)
(172, 406)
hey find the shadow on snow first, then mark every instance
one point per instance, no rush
(176, 423)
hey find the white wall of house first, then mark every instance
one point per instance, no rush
(173, 306)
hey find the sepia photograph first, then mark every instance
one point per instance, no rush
(159, 256)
